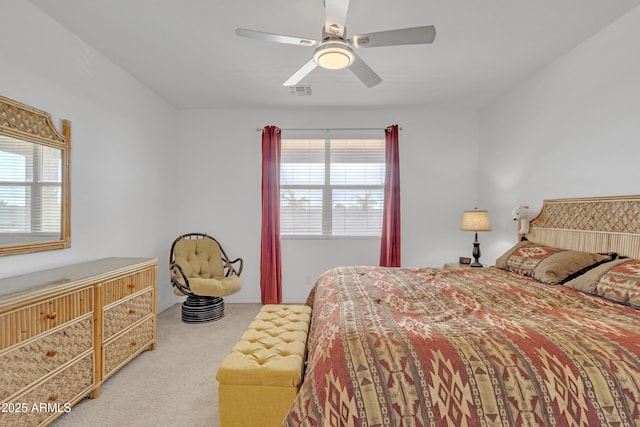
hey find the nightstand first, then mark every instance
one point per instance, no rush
(454, 265)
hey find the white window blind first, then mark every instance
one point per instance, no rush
(30, 185)
(332, 187)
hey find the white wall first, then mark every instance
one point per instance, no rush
(220, 178)
(123, 138)
(571, 130)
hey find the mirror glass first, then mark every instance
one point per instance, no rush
(30, 192)
(34, 204)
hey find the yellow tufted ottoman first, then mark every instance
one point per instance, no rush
(260, 377)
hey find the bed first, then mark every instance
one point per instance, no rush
(550, 336)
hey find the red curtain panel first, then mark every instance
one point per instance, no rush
(270, 259)
(390, 244)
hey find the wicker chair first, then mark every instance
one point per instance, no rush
(201, 270)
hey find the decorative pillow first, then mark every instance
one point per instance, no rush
(621, 283)
(502, 261)
(587, 282)
(546, 264)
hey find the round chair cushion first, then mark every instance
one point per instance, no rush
(219, 287)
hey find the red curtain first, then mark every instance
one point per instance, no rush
(390, 245)
(270, 261)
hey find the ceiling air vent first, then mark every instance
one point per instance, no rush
(300, 90)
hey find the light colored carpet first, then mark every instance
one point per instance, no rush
(175, 385)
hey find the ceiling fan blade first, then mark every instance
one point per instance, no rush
(277, 38)
(335, 16)
(414, 35)
(301, 73)
(364, 73)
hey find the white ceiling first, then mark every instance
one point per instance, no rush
(188, 53)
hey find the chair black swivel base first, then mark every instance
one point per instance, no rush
(199, 309)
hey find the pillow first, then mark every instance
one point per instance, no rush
(621, 283)
(502, 261)
(546, 264)
(587, 282)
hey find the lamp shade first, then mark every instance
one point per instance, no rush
(476, 220)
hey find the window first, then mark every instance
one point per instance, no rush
(30, 188)
(332, 187)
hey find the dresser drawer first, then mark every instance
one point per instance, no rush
(27, 322)
(124, 347)
(53, 397)
(122, 287)
(127, 312)
(27, 363)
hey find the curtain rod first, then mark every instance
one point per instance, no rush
(327, 130)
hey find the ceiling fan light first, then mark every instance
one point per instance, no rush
(333, 56)
(334, 60)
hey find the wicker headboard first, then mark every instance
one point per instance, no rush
(596, 224)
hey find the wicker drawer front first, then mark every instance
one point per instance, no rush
(122, 287)
(119, 317)
(27, 363)
(28, 322)
(51, 396)
(132, 342)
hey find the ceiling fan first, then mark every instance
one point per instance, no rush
(336, 51)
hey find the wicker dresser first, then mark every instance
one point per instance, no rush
(68, 331)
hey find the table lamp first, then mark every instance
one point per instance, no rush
(476, 220)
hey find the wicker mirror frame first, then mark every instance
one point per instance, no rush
(28, 124)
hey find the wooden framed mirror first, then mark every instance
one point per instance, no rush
(34, 180)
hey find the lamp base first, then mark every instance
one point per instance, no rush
(476, 253)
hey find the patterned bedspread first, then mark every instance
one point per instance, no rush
(468, 347)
